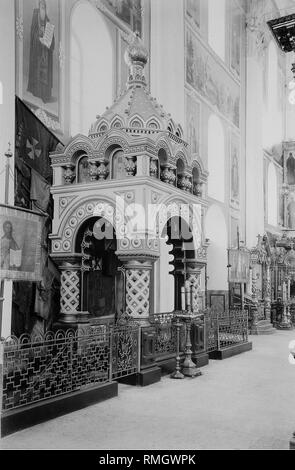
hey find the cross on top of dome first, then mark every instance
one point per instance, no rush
(136, 57)
(135, 108)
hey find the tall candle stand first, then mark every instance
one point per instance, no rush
(177, 374)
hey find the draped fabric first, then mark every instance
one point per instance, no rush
(33, 305)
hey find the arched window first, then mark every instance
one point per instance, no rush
(91, 89)
(118, 165)
(291, 169)
(272, 195)
(216, 158)
(216, 26)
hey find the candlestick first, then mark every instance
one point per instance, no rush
(183, 298)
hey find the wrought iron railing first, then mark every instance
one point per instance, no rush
(224, 329)
(165, 335)
(43, 367)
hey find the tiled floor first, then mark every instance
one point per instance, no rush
(245, 402)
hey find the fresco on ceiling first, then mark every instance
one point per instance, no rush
(210, 80)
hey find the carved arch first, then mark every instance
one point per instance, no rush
(153, 123)
(79, 143)
(136, 122)
(117, 122)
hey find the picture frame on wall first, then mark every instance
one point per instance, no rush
(20, 244)
(39, 58)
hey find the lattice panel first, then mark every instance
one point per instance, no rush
(137, 292)
(194, 281)
(44, 367)
(44, 370)
(70, 291)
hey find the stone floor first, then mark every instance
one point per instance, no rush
(245, 402)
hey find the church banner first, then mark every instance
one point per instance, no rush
(239, 265)
(34, 141)
(20, 244)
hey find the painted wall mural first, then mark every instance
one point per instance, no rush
(209, 79)
(129, 11)
(193, 124)
(235, 171)
(193, 11)
(235, 41)
(38, 54)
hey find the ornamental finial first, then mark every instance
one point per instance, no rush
(136, 57)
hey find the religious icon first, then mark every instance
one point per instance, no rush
(20, 244)
(42, 44)
(10, 254)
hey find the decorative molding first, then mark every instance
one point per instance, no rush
(19, 27)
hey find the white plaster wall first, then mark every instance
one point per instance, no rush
(216, 231)
(254, 151)
(7, 123)
(91, 66)
(167, 56)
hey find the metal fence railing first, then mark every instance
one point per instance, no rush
(43, 367)
(224, 329)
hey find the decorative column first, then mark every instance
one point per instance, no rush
(70, 291)
(193, 270)
(138, 278)
(267, 292)
(138, 256)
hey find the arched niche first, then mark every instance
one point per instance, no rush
(83, 169)
(162, 160)
(91, 66)
(180, 167)
(197, 191)
(216, 231)
(272, 195)
(290, 167)
(176, 244)
(118, 165)
(102, 286)
(216, 158)
(216, 26)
